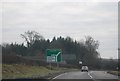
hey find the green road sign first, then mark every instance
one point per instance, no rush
(53, 55)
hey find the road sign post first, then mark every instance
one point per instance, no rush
(50, 66)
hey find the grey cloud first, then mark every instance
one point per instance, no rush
(54, 19)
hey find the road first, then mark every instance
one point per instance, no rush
(86, 76)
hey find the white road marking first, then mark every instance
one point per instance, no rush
(90, 75)
(58, 76)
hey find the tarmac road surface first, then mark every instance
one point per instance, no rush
(86, 76)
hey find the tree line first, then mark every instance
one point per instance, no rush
(36, 45)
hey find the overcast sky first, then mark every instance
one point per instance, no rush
(76, 19)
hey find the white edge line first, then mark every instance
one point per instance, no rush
(58, 76)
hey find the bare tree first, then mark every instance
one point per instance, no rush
(31, 36)
(91, 44)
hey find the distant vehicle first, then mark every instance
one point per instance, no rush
(84, 68)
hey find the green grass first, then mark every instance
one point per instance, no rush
(17, 71)
(24, 71)
(115, 72)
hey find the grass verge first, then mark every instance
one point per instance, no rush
(19, 71)
(114, 72)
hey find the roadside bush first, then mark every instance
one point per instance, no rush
(15, 59)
